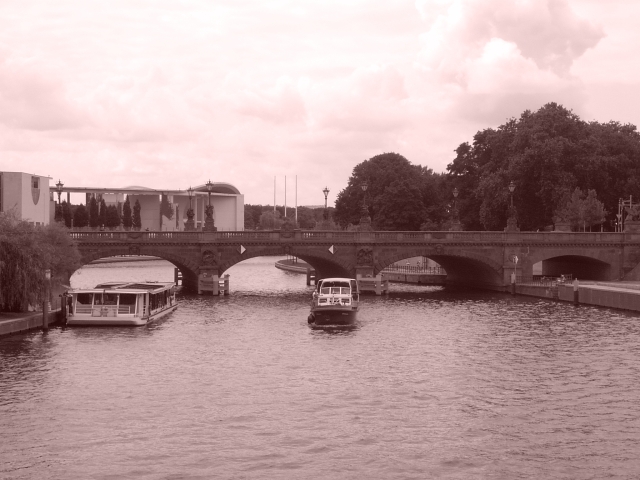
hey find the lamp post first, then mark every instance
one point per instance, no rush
(209, 189)
(455, 224)
(511, 220)
(209, 225)
(512, 187)
(365, 221)
(326, 194)
(189, 225)
(45, 304)
(455, 203)
(59, 186)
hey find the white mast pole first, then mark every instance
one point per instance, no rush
(274, 194)
(296, 201)
(285, 196)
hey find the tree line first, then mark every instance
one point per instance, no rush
(98, 214)
(26, 251)
(263, 217)
(563, 169)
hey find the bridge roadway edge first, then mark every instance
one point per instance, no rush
(479, 259)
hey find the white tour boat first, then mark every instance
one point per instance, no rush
(335, 302)
(121, 303)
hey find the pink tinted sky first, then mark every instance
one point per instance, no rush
(168, 93)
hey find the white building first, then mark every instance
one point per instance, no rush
(227, 201)
(28, 196)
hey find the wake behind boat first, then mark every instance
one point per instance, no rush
(121, 303)
(335, 301)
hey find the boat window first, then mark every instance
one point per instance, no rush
(127, 299)
(335, 284)
(106, 299)
(335, 291)
(85, 298)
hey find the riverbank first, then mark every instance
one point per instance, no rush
(293, 265)
(617, 295)
(418, 278)
(126, 258)
(11, 323)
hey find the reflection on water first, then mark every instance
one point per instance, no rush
(429, 384)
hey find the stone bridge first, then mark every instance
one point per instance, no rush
(480, 259)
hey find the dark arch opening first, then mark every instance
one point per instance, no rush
(464, 271)
(583, 268)
(189, 277)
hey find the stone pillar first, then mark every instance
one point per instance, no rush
(209, 225)
(512, 225)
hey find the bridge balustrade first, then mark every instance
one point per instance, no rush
(395, 237)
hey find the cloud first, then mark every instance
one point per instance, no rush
(500, 57)
(545, 31)
(32, 100)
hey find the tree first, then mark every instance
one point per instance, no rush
(94, 213)
(400, 207)
(581, 210)
(306, 218)
(58, 214)
(546, 154)
(136, 220)
(112, 217)
(166, 208)
(379, 172)
(126, 213)
(66, 214)
(26, 251)
(80, 216)
(270, 220)
(102, 216)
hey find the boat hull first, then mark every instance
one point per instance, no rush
(89, 321)
(333, 316)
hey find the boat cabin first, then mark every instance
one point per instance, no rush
(122, 299)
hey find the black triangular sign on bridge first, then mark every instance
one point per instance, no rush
(331, 249)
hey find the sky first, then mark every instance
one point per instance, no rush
(172, 93)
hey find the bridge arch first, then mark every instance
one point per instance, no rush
(324, 265)
(583, 267)
(463, 268)
(186, 266)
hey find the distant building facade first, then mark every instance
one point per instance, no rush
(227, 202)
(28, 196)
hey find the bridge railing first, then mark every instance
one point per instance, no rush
(314, 236)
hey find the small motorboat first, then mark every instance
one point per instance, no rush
(335, 301)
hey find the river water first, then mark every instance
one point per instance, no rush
(429, 384)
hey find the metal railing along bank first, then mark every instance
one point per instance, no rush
(415, 269)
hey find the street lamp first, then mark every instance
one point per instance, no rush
(45, 304)
(189, 224)
(512, 187)
(59, 186)
(511, 220)
(364, 187)
(365, 221)
(190, 193)
(209, 189)
(455, 203)
(209, 225)
(326, 193)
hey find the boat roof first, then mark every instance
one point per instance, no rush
(126, 287)
(337, 279)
